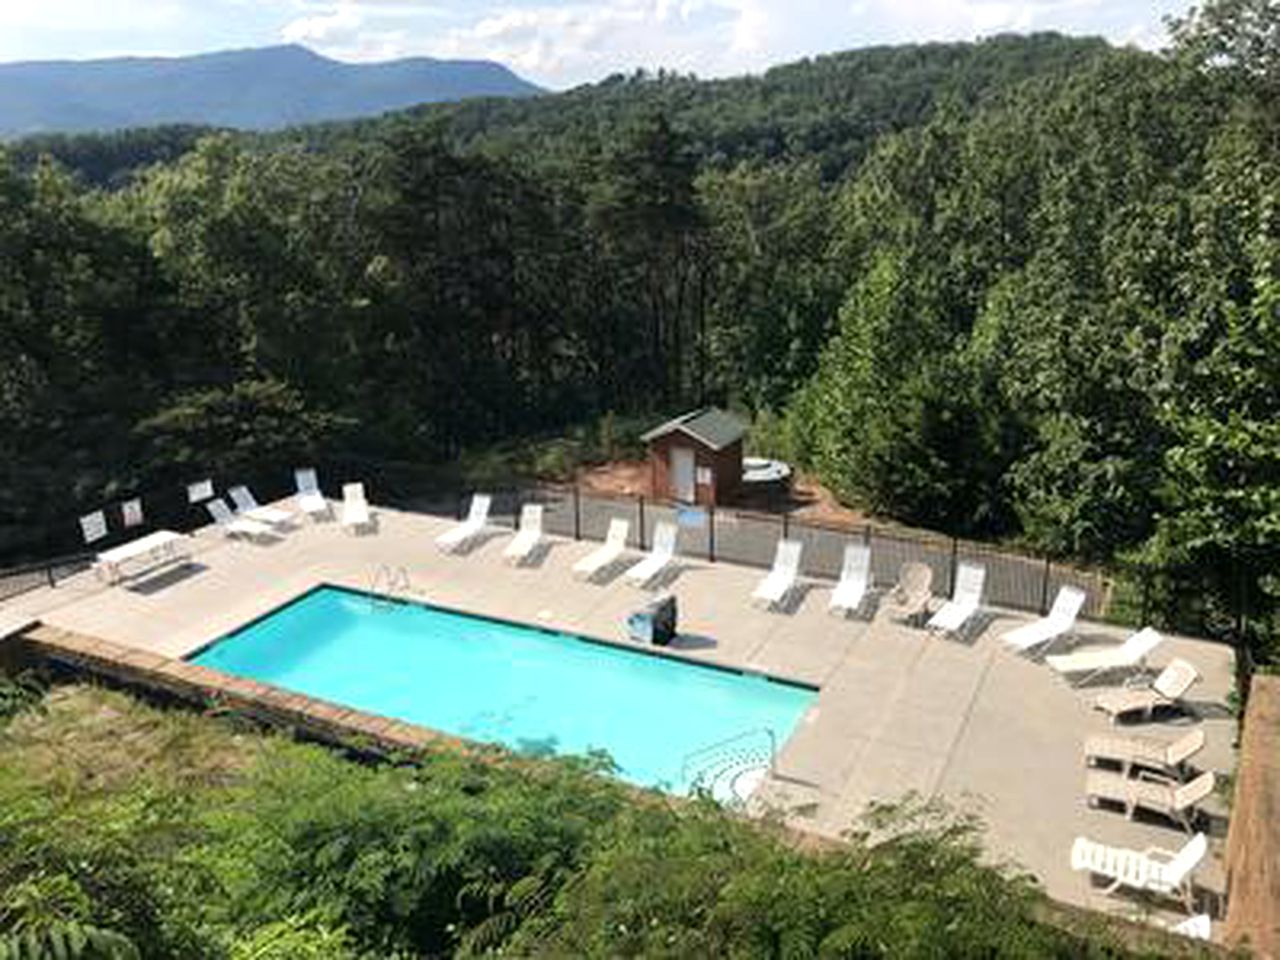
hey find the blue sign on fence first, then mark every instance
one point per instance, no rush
(691, 517)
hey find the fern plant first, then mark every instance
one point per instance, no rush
(67, 941)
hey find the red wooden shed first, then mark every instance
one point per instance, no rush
(697, 457)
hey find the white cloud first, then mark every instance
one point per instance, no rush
(571, 42)
(340, 25)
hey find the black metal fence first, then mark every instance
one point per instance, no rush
(1014, 579)
(748, 538)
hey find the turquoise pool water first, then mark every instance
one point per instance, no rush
(532, 690)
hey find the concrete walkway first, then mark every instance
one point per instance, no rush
(899, 710)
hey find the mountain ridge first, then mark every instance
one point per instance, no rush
(260, 88)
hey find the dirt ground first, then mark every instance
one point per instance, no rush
(808, 499)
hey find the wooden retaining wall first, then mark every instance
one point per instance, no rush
(1253, 839)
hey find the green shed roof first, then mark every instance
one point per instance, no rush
(710, 426)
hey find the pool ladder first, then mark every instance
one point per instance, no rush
(389, 584)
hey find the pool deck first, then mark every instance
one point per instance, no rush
(899, 710)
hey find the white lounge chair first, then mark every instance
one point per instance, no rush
(1166, 756)
(233, 526)
(964, 602)
(1059, 622)
(615, 542)
(355, 508)
(1199, 927)
(310, 498)
(1174, 800)
(663, 552)
(247, 505)
(855, 577)
(527, 537)
(1130, 655)
(779, 581)
(453, 539)
(1160, 871)
(1166, 690)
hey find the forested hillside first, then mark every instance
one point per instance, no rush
(1025, 289)
(256, 89)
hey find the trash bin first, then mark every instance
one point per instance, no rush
(655, 622)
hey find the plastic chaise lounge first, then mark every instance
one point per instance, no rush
(773, 589)
(311, 500)
(233, 526)
(1159, 871)
(355, 508)
(1129, 656)
(1167, 690)
(1058, 623)
(615, 542)
(658, 559)
(1171, 799)
(1153, 753)
(455, 538)
(965, 600)
(909, 598)
(855, 577)
(527, 537)
(247, 505)
(1198, 927)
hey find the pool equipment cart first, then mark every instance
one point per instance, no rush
(655, 622)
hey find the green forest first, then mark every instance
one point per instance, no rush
(1025, 289)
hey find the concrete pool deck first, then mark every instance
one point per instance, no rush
(899, 709)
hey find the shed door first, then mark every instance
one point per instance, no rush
(682, 474)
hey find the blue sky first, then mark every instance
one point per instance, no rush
(557, 43)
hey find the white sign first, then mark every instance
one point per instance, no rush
(93, 526)
(131, 511)
(199, 492)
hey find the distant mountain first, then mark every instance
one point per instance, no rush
(258, 89)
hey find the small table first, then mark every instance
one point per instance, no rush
(154, 550)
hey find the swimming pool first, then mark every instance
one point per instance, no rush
(532, 690)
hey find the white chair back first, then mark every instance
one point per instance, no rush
(1140, 644)
(1067, 605)
(304, 478)
(617, 535)
(857, 563)
(1192, 792)
(787, 557)
(531, 517)
(970, 578)
(479, 513)
(1175, 679)
(200, 491)
(1187, 859)
(1184, 747)
(242, 498)
(219, 510)
(353, 492)
(664, 539)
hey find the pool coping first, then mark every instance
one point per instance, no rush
(647, 651)
(325, 720)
